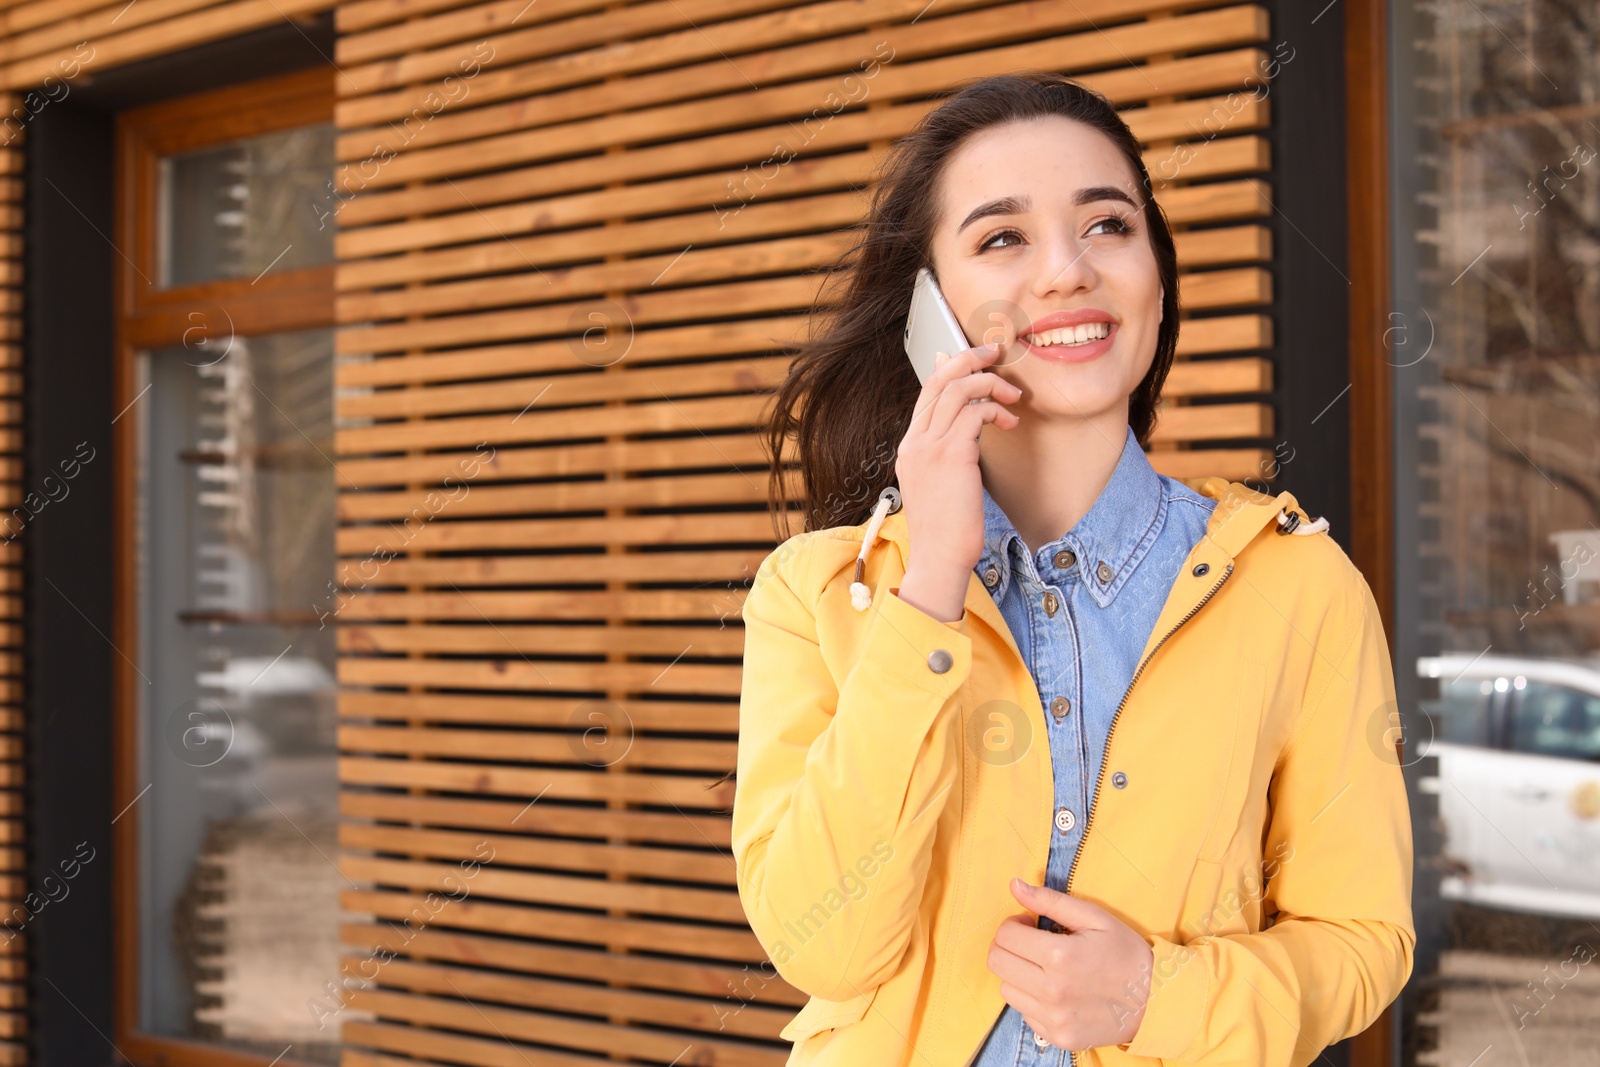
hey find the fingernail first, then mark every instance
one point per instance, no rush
(940, 357)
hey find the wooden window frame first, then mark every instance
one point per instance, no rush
(150, 318)
(1366, 36)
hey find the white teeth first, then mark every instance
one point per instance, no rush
(1071, 336)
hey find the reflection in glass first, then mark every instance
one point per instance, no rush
(1495, 356)
(234, 210)
(238, 888)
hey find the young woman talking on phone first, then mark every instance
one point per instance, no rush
(1044, 757)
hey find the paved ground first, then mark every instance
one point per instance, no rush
(1488, 1014)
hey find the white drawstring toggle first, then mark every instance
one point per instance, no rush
(1291, 524)
(888, 502)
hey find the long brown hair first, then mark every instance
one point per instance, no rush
(850, 391)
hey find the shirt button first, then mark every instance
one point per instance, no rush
(940, 661)
(1103, 572)
(1059, 707)
(1065, 558)
(1040, 1041)
(1050, 604)
(991, 577)
(1065, 820)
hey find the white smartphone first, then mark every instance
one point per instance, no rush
(931, 327)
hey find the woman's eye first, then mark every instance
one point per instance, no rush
(1122, 226)
(994, 237)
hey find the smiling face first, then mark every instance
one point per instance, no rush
(1041, 225)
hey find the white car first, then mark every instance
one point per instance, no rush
(1518, 742)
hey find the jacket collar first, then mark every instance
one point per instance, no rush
(1117, 531)
(1241, 513)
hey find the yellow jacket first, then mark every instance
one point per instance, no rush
(1262, 844)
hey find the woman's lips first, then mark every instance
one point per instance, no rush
(1073, 354)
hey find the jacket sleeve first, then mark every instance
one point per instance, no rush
(1341, 948)
(840, 782)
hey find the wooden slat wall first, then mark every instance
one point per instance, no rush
(545, 532)
(13, 870)
(47, 42)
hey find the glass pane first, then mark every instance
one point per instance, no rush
(234, 210)
(1494, 348)
(238, 885)
(1462, 711)
(1556, 721)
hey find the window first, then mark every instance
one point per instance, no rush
(226, 852)
(1491, 342)
(1552, 720)
(1462, 712)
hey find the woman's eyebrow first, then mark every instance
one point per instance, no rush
(1017, 205)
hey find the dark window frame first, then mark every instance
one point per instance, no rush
(70, 255)
(149, 319)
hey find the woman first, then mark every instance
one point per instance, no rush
(1047, 752)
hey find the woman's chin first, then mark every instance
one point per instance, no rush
(1074, 397)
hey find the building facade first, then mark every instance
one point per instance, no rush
(381, 389)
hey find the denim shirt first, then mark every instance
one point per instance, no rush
(1081, 610)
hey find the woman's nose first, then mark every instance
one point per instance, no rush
(1066, 267)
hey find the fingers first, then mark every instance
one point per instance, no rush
(976, 397)
(969, 418)
(948, 368)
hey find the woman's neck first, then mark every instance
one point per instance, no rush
(1047, 474)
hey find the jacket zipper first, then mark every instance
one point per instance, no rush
(1100, 778)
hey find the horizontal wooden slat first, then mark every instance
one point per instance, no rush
(1198, 422)
(698, 865)
(600, 744)
(673, 828)
(547, 607)
(357, 18)
(535, 712)
(560, 533)
(1235, 464)
(710, 567)
(498, 640)
(528, 675)
(500, 780)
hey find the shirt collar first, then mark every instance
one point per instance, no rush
(1118, 532)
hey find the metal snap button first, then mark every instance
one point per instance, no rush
(1065, 820)
(1065, 558)
(1059, 707)
(940, 661)
(1202, 569)
(1050, 604)
(991, 577)
(1119, 780)
(1103, 572)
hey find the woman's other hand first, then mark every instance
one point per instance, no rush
(941, 486)
(1080, 987)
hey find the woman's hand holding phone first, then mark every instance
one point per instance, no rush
(941, 487)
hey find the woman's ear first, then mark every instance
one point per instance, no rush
(1161, 306)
